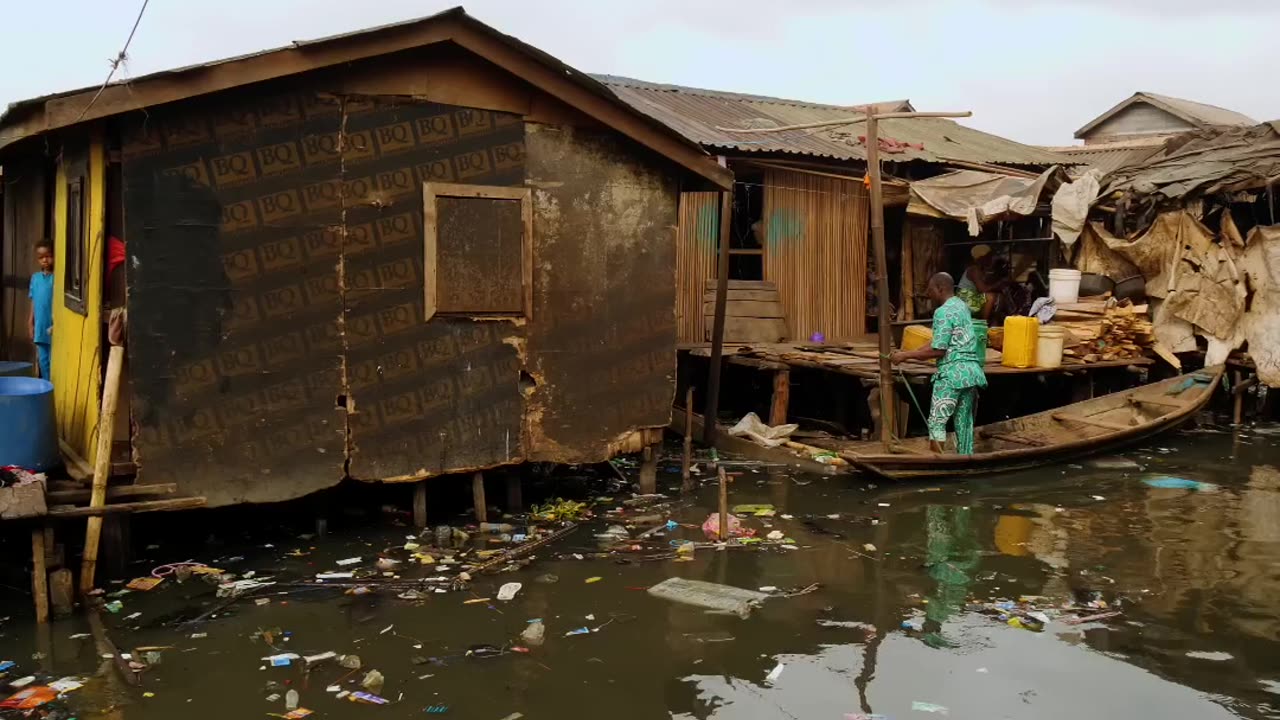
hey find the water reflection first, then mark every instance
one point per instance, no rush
(1195, 572)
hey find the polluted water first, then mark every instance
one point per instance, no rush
(1019, 596)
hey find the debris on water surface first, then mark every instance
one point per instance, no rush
(929, 708)
(712, 596)
(1166, 482)
(775, 673)
(1210, 655)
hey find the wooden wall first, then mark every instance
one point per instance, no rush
(278, 335)
(77, 337)
(697, 235)
(24, 225)
(816, 252)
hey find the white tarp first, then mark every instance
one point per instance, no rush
(980, 197)
(1071, 205)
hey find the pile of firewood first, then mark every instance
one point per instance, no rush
(1101, 329)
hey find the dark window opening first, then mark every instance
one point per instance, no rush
(746, 231)
(73, 261)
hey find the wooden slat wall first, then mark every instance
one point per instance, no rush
(696, 236)
(24, 216)
(816, 252)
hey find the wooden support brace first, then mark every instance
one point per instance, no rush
(686, 478)
(648, 471)
(515, 492)
(1065, 417)
(477, 497)
(39, 576)
(140, 506)
(420, 504)
(724, 503)
(781, 397)
(101, 466)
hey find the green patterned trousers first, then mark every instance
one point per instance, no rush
(951, 402)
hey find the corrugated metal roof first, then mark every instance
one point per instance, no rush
(1109, 156)
(697, 114)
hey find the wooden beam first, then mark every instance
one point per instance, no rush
(686, 478)
(717, 327)
(1012, 438)
(477, 497)
(1161, 402)
(101, 466)
(648, 471)
(1066, 417)
(113, 493)
(724, 503)
(781, 397)
(188, 503)
(515, 492)
(39, 576)
(883, 330)
(420, 504)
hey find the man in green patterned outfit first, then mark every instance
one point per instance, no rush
(960, 374)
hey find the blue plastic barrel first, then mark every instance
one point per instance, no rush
(29, 438)
(15, 368)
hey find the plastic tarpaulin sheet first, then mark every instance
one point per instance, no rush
(980, 197)
(1071, 205)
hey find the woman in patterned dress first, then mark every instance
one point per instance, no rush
(960, 371)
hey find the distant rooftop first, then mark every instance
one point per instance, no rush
(1197, 114)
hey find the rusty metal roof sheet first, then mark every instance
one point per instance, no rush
(1109, 156)
(697, 114)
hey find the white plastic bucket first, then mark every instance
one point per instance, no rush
(1049, 346)
(1064, 285)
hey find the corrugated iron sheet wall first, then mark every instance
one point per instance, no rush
(696, 236)
(816, 252)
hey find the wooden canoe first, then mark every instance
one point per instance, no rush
(1093, 426)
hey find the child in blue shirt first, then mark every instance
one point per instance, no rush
(40, 321)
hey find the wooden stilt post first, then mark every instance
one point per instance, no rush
(62, 594)
(648, 471)
(477, 497)
(686, 478)
(717, 327)
(101, 465)
(1237, 416)
(887, 423)
(781, 397)
(420, 504)
(515, 492)
(724, 503)
(39, 576)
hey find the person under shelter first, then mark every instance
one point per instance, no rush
(960, 372)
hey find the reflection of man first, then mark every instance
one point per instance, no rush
(951, 556)
(959, 375)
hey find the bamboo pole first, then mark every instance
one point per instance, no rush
(101, 465)
(686, 484)
(717, 332)
(724, 504)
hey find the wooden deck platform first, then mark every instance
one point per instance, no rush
(862, 360)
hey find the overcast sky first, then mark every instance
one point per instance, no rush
(1032, 70)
